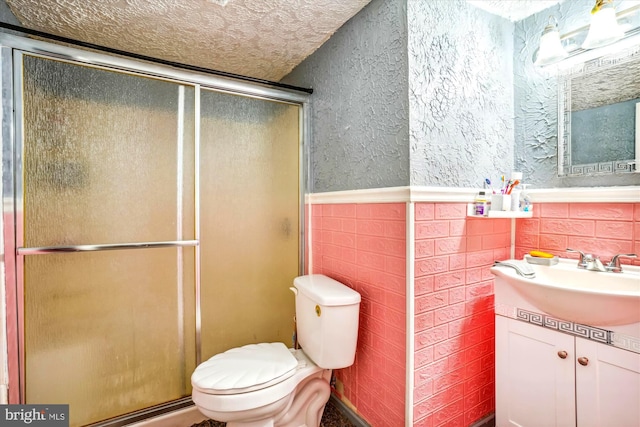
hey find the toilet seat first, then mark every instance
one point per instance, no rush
(244, 369)
(233, 402)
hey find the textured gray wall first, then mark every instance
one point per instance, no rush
(360, 102)
(461, 94)
(536, 109)
(411, 93)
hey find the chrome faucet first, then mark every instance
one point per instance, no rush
(588, 261)
(614, 265)
(594, 263)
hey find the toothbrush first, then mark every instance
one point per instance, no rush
(488, 182)
(512, 184)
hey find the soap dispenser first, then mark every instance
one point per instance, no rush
(525, 200)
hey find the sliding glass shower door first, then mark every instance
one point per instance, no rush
(249, 219)
(107, 228)
(154, 223)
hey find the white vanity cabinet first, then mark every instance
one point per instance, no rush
(549, 378)
(608, 387)
(534, 385)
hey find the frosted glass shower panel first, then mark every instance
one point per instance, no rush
(249, 213)
(109, 332)
(108, 156)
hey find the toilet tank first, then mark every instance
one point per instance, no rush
(327, 320)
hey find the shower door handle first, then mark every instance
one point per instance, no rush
(105, 247)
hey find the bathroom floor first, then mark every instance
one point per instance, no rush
(332, 417)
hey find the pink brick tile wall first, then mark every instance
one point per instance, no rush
(454, 316)
(603, 229)
(364, 246)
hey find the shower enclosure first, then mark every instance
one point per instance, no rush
(152, 218)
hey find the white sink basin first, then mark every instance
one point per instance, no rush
(568, 293)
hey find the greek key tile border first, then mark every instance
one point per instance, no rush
(583, 331)
(592, 333)
(618, 166)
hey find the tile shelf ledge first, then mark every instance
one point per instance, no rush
(471, 208)
(416, 194)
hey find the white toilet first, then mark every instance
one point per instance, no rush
(268, 385)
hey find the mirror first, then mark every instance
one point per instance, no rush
(598, 104)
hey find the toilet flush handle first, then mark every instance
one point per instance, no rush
(294, 290)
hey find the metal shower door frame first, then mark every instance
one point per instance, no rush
(11, 50)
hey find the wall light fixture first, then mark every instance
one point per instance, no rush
(606, 28)
(551, 49)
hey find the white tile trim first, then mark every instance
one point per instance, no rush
(627, 194)
(395, 195)
(373, 195)
(410, 335)
(442, 194)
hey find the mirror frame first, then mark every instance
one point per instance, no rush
(565, 168)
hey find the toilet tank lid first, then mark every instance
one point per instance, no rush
(325, 290)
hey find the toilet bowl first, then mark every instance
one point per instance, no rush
(294, 398)
(270, 385)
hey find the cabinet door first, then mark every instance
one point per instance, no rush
(534, 376)
(608, 386)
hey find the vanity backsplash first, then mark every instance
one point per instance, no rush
(602, 229)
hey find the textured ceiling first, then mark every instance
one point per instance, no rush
(514, 10)
(258, 38)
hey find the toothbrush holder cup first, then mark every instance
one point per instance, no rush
(500, 202)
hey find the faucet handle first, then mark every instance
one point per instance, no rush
(615, 266)
(584, 258)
